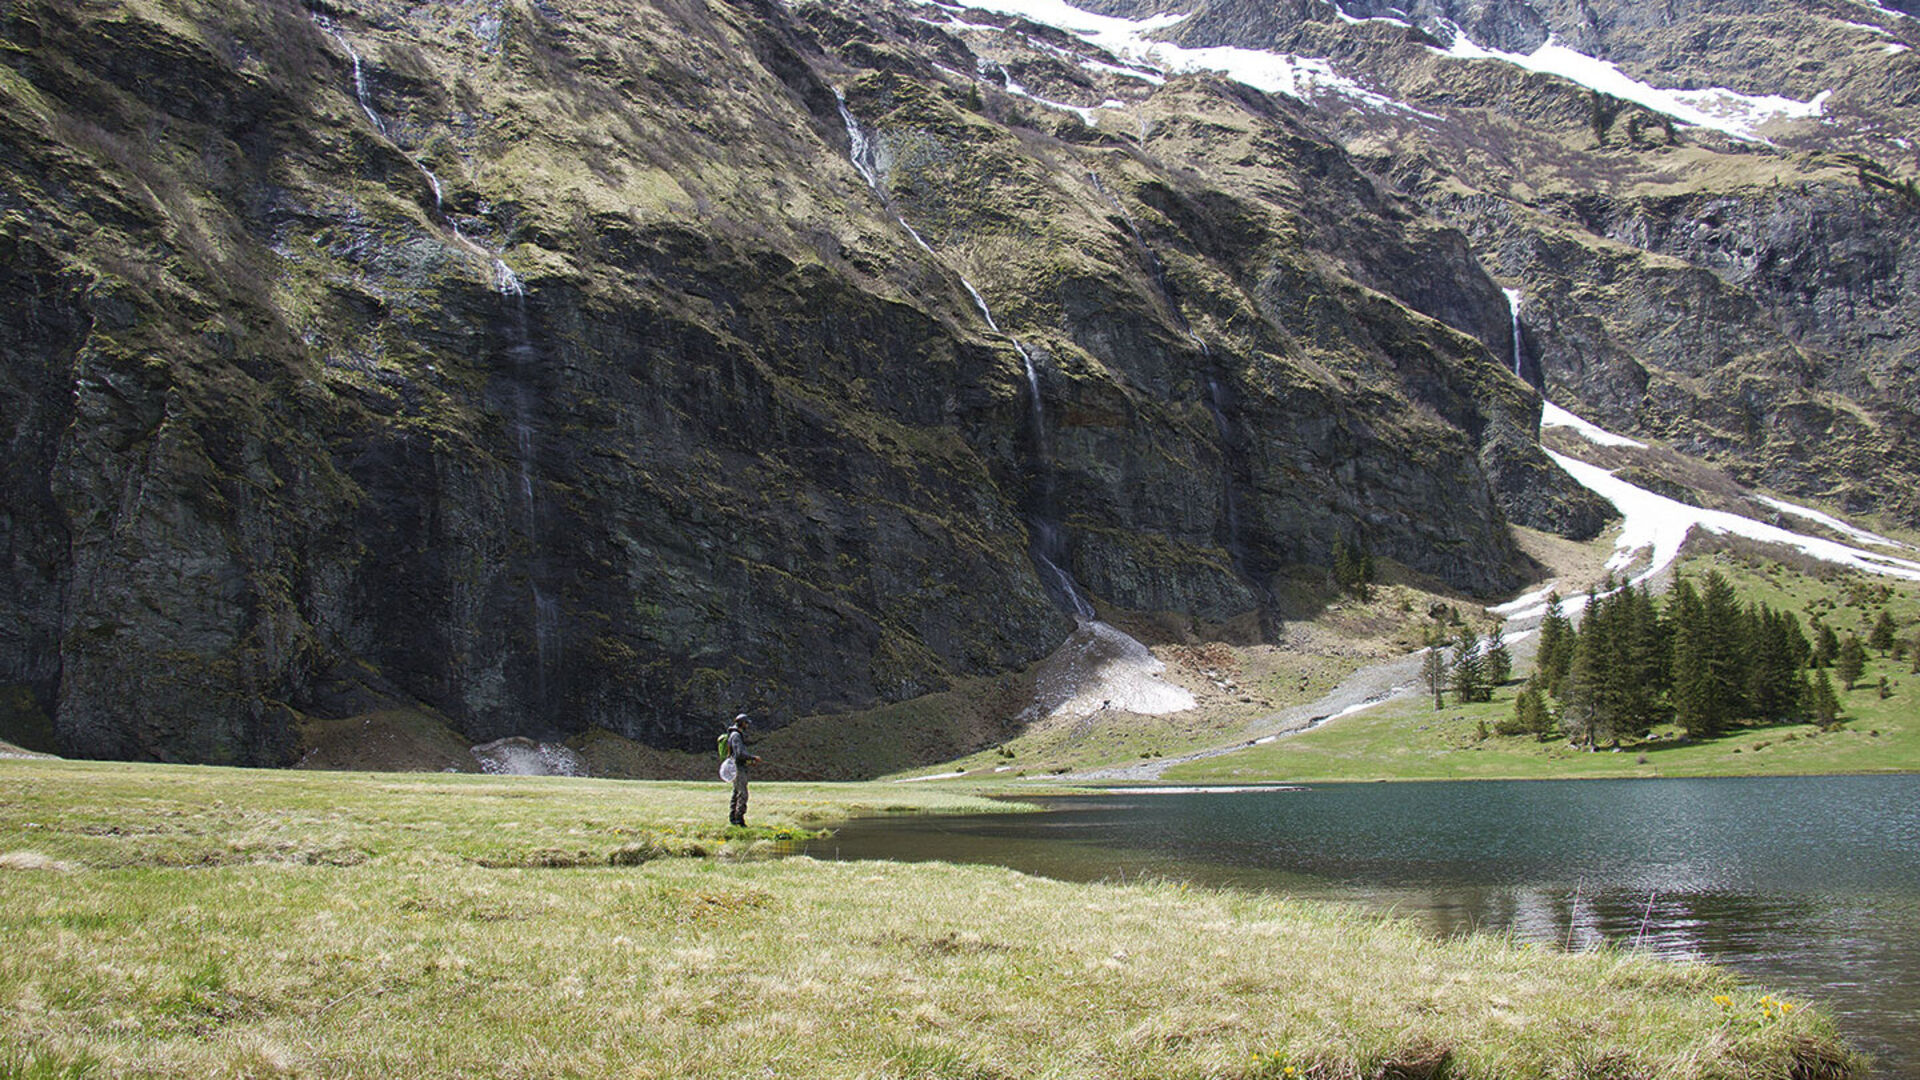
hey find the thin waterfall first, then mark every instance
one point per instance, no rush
(503, 278)
(1036, 411)
(545, 610)
(544, 614)
(506, 281)
(359, 72)
(987, 313)
(1049, 545)
(1513, 317)
(865, 155)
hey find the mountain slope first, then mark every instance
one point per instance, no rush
(573, 365)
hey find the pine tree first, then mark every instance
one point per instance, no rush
(1882, 636)
(1580, 697)
(1469, 668)
(1499, 660)
(1556, 646)
(1696, 704)
(1886, 688)
(1345, 571)
(1642, 654)
(1852, 662)
(1530, 716)
(1353, 568)
(1725, 646)
(1773, 685)
(1826, 646)
(1826, 704)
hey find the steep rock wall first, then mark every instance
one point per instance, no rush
(507, 360)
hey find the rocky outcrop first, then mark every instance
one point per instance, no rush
(1737, 296)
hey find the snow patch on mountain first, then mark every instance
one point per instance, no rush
(1736, 114)
(1270, 72)
(1552, 415)
(1830, 522)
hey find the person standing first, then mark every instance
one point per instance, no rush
(737, 753)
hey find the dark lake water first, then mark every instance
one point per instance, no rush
(1809, 885)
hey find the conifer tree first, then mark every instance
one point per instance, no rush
(1499, 660)
(1555, 653)
(1530, 715)
(1696, 702)
(1826, 704)
(1469, 667)
(1882, 636)
(1345, 571)
(1773, 684)
(1353, 568)
(1725, 647)
(1580, 696)
(1826, 645)
(1852, 662)
(1643, 670)
(1540, 717)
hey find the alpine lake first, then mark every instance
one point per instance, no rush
(1808, 885)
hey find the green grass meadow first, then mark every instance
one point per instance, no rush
(193, 922)
(1407, 738)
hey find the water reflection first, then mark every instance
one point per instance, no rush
(1809, 884)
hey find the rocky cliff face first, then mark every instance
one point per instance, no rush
(570, 364)
(1711, 214)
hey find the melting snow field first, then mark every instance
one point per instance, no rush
(1099, 667)
(1552, 415)
(1655, 527)
(1738, 115)
(1659, 525)
(1269, 72)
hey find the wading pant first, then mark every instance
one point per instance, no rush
(737, 813)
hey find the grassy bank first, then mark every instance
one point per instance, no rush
(1408, 739)
(200, 922)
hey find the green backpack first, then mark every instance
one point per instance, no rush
(723, 744)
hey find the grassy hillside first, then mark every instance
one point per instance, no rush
(1408, 738)
(169, 921)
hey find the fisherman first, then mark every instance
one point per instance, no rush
(737, 753)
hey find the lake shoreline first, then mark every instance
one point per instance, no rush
(299, 922)
(1811, 883)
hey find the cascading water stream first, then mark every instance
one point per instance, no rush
(1049, 546)
(865, 156)
(1513, 314)
(545, 613)
(545, 610)
(504, 281)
